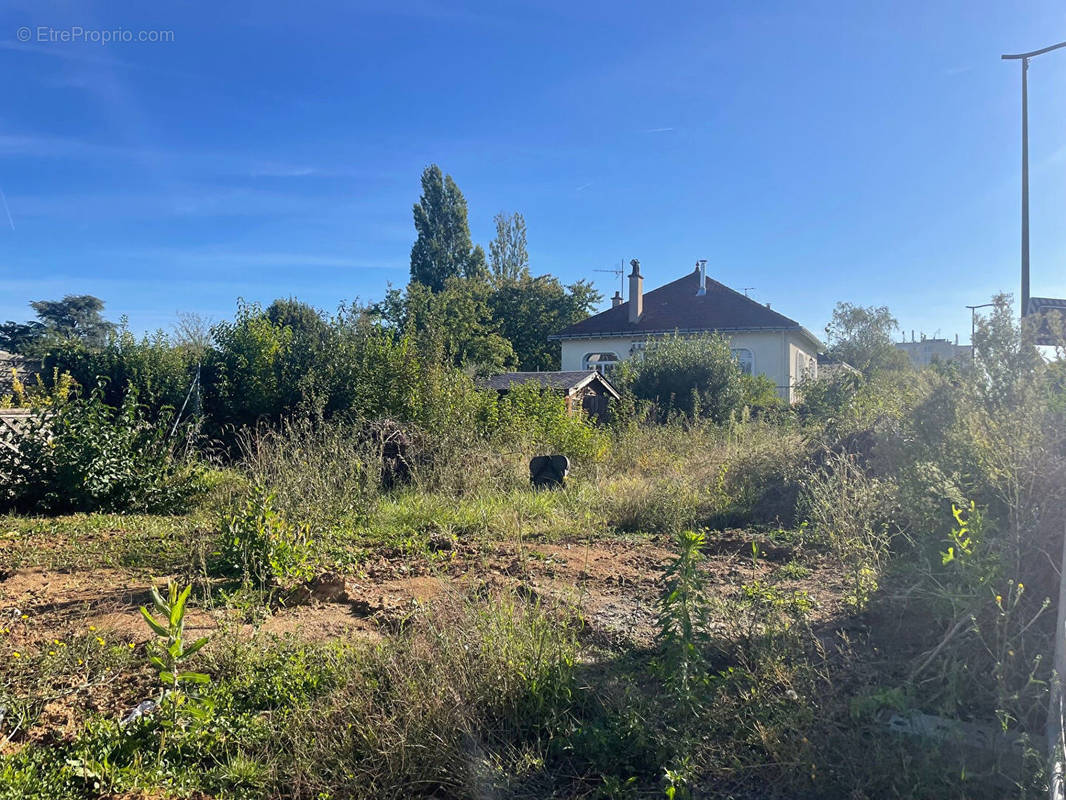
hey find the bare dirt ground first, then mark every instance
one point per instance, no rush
(614, 584)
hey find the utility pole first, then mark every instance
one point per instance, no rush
(1024, 58)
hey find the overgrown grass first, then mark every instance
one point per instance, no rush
(494, 695)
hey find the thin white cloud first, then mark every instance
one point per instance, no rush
(43, 146)
(252, 258)
(659, 130)
(283, 171)
(7, 210)
(89, 55)
(46, 146)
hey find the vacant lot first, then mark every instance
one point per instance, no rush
(851, 599)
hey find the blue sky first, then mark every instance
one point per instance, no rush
(816, 151)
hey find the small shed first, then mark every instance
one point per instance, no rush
(830, 368)
(584, 390)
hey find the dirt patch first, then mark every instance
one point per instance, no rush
(56, 603)
(614, 584)
(320, 621)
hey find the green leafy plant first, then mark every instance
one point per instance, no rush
(264, 548)
(692, 375)
(962, 541)
(677, 779)
(169, 653)
(83, 455)
(682, 620)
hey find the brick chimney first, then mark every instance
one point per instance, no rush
(617, 299)
(636, 292)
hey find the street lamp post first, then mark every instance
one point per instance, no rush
(1024, 58)
(973, 328)
(1056, 713)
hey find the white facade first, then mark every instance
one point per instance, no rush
(925, 352)
(785, 357)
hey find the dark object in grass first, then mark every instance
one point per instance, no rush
(548, 472)
(394, 444)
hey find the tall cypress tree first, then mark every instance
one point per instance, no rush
(443, 248)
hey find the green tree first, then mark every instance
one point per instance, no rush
(862, 337)
(1008, 367)
(20, 337)
(306, 360)
(695, 375)
(305, 320)
(528, 310)
(508, 257)
(74, 317)
(246, 374)
(457, 323)
(443, 248)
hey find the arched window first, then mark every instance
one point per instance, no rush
(746, 359)
(603, 363)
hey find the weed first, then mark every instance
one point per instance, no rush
(792, 571)
(682, 619)
(168, 655)
(849, 510)
(262, 546)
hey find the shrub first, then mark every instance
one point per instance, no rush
(760, 395)
(261, 546)
(83, 455)
(536, 418)
(693, 375)
(827, 398)
(159, 372)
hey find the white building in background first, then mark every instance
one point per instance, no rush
(924, 352)
(763, 341)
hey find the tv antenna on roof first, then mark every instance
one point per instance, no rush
(747, 289)
(619, 272)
